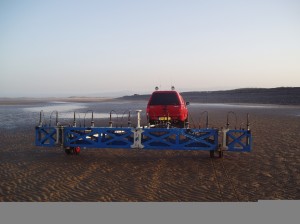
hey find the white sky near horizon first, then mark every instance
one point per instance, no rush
(63, 48)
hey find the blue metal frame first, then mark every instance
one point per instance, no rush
(45, 136)
(153, 138)
(239, 140)
(98, 137)
(180, 139)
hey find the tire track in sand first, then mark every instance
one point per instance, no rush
(226, 187)
(152, 188)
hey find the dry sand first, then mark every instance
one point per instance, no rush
(269, 172)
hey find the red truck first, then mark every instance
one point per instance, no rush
(167, 107)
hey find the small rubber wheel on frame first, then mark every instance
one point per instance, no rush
(76, 150)
(68, 151)
(221, 154)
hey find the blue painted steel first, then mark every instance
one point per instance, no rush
(45, 136)
(180, 139)
(239, 140)
(158, 138)
(98, 137)
(154, 138)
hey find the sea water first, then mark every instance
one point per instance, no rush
(17, 116)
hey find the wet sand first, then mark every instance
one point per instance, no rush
(33, 101)
(269, 172)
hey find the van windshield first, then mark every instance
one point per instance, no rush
(164, 99)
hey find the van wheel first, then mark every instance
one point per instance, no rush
(186, 122)
(181, 124)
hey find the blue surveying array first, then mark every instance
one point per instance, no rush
(144, 138)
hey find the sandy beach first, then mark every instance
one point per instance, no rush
(269, 172)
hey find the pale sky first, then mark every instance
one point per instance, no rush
(62, 48)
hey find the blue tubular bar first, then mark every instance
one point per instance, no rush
(180, 139)
(98, 137)
(239, 140)
(45, 136)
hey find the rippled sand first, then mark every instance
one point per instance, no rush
(269, 172)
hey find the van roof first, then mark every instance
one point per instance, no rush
(165, 91)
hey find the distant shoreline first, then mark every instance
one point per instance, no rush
(277, 96)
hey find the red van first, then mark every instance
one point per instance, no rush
(167, 106)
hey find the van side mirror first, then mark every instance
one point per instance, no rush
(187, 103)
